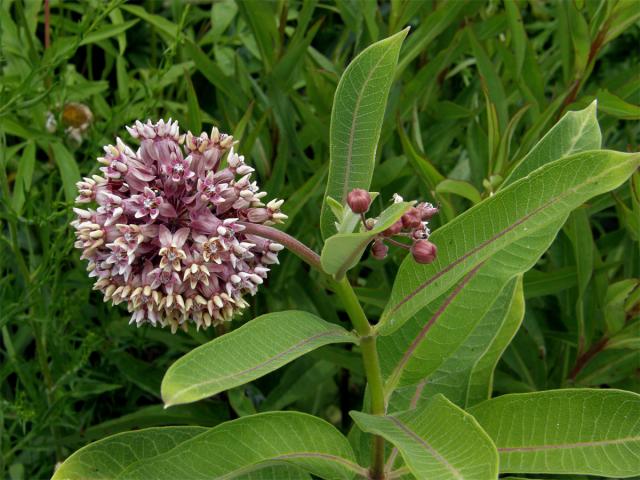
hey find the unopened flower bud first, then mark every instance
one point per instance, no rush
(379, 250)
(427, 210)
(359, 200)
(412, 219)
(424, 251)
(394, 229)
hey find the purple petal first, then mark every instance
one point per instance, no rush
(165, 236)
(180, 237)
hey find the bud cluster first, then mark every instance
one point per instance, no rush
(166, 235)
(413, 225)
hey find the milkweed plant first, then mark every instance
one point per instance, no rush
(175, 228)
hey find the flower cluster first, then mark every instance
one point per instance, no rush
(414, 225)
(168, 234)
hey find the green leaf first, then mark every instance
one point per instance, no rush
(108, 31)
(68, 170)
(433, 25)
(255, 349)
(533, 203)
(460, 188)
(356, 121)
(575, 132)
(261, 18)
(518, 34)
(164, 26)
(108, 458)
(24, 176)
(437, 441)
(490, 78)
(343, 250)
(456, 350)
(615, 300)
(236, 449)
(617, 107)
(592, 432)
(194, 116)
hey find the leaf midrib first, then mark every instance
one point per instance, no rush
(352, 466)
(427, 447)
(394, 378)
(568, 446)
(352, 131)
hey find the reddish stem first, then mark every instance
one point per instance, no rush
(587, 356)
(47, 24)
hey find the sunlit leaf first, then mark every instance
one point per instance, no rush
(255, 349)
(592, 432)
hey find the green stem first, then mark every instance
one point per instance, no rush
(371, 366)
(360, 322)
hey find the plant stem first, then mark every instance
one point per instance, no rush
(371, 366)
(297, 247)
(360, 322)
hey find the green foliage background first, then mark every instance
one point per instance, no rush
(479, 82)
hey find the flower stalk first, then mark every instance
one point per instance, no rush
(359, 321)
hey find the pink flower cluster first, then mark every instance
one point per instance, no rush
(167, 236)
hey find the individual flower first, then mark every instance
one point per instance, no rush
(163, 228)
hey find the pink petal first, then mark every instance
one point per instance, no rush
(167, 210)
(180, 237)
(165, 236)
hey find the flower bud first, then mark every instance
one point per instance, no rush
(424, 251)
(394, 229)
(427, 210)
(412, 219)
(379, 250)
(359, 200)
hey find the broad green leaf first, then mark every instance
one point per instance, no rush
(575, 132)
(455, 352)
(592, 432)
(356, 121)
(541, 199)
(68, 170)
(236, 449)
(255, 349)
(343, 250)
(108, 458)
(438, 441)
